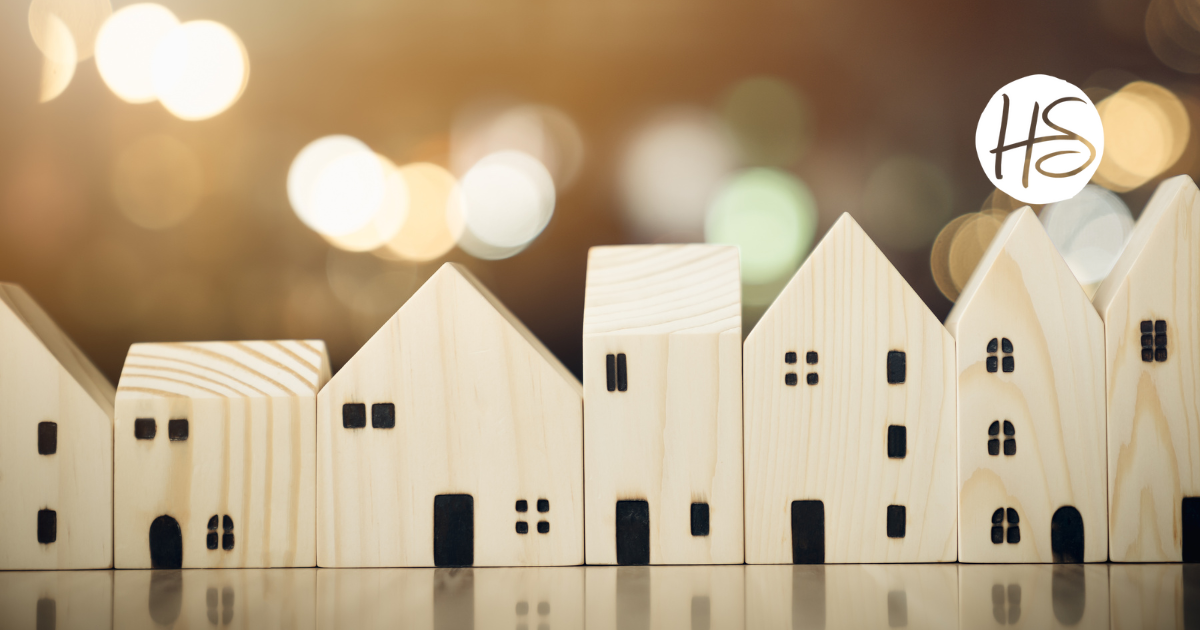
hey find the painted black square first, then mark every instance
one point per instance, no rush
(383, 416)
(993, 345)
(699, 519)
(543, 505)
(1014, 534)
(212, 540)
(177, 430)
(622, 374)
(453, 530)
(543, 527)
(1010, 446)
(896, 521)
(897, 441)
(811, 378)
(993, 446)
(1147, 326)
(633, 532)
(522, 527)
(47, 526)
(1191, 529)
(1006, 346)
(144, 428)
(522, 505)
(1160, 354)
(993, 364)
(997, 535)
(610, 371)
(1147, 355)
(1008, 364)
(810, 358)
(789, 378)
(808, 532)
(354, 415)
(1147, 340)
(896, 366)
(1160, 340)
(789, 357)
(47, 438)
(1160, 326)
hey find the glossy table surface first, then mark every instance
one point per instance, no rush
(831, 596)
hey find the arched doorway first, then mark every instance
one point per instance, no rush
(1066, 535)
(166, 543)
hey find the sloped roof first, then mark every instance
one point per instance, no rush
(660, 289)
(225, 369)
(59, 345)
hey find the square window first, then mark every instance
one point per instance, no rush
(144, 428)
(699, 519)
(522, 527)
(1010, 447)
(1147, 326)
(383, 416)
(522, 505)
(354, 415)
(47, 526)
(896, 367)
(896, 521)
(992, 364)
(47, 438)
(1014, 534)
(789, 357)
(543, 505)
(1160, 340)
(812, 378)
(1160, 326)
(994, 446)
(789, 378)
(1160, 354)
(1147, 340)
(997, 535)
(897, 441)
(177, 430)
(1008, 364)
(1148, 355)
(810, 358)
(543, 527)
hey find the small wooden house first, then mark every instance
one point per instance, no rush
(1031, 418)
(216, 454)
(662, 379)
(1151, 309)
(850, 416)
(452, 438)
(56, 431)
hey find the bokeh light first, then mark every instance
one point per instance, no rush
(337, 185)
(82, 18)
(58, 67)
(1173, 32)
(546, 133)
(671, 171)
(770, 215)
(769, 119)
(157, 182)
(426, 233)
(387, 220)
(959, 247)
(1146, 129)
(503, 203)
(199, 69)
(125, 48)
(906, 201)
(1089, 230)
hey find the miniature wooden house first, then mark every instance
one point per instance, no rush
(453, 438)
(662, 371)
(1151, 309)
(850, 416)
(1031, 420)
(216, 454)
(56, 434)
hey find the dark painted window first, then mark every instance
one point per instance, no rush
(383, 416)
(896, 366)
(999, 534)
(789, 358)
(47, 438)
(1010, 440)
(543, 505)
(699, 519)
(522, 527)
(522, 505)
(789, 379)
(212, 541)
(144, 428)
(177, 430)
(616, 372)
(896, 521)
(47, 526)
(995, 362)
(227, 537)
(354, 415)
(897, 441)
(1154, 340)
(543, 527)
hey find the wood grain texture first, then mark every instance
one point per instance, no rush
(1153, 595)
(215, 598)
(666, 598)
(674, 437)
(57, 600)
(1154, 407)
(45, 378)
(1023, 292)
(250, 453)
(1033, 596)
(481, 408)
(829, 441)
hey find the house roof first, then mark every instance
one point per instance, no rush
(59, 345)
(1172, 196)
(659, 289)
(225, 369)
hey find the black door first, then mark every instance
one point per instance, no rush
(808, 532)
(166, 543)
(633, 532)
(1066, 535)
(453, 530)
(1191, 529)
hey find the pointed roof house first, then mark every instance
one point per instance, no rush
(850, 416)
(1150, 303)
(56, 429)
(453, 437)
(1031, 419)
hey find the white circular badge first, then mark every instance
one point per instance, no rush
(1040, 139)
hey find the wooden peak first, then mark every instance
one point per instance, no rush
(662, 289)
(225, 369)
(59, 345)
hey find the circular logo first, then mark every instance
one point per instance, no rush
(1040, 139)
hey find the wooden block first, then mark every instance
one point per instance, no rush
(453, 437)
(1033, 596)
(1154, 595)
(216, 454)
(666, 597)
(56, 430)
(1154, 381)
(215, 598)
(860, 465)
(56, 600)
(1031, 428)
(662, 333)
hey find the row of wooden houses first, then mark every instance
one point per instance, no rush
(849, 426)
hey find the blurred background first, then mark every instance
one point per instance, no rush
(214, 169)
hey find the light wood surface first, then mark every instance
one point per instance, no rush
(215, 598)
(829, 441)
(58, 600)
(679, 597)
(1023, 292)
(45, 378)
(1154, 407)
(674, 436)
(481, 408)
(250, 453)
(1151, 595)
(1033, 596)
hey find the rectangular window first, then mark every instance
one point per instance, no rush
(383, 416)
(622, 377)
(895, 521)
(808, 532)
(47, 438)
(354, 415)
(897, 441)
(610, 370)
(144, 428)
(47, 526)
(177, 430)
(699, 519)
(896, 368)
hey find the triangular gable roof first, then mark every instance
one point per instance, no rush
(1172, 197)
(1021, 236)
(59, 345)
(844, 240)
(226, 369)
(427, 295)
(662, 289)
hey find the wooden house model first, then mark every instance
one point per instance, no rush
(850, 416)
(1151, 309)
(662, 370)
(56, 433)
(1031, 418)
(216, 454)
(452, 438)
